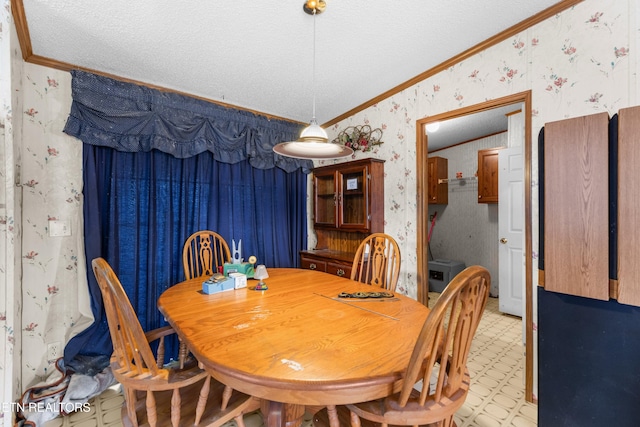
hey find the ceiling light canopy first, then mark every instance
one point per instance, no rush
(314, 7)
(313, 142)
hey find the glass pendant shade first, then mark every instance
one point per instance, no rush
(312, 144)
(312, 150)
(313, 132)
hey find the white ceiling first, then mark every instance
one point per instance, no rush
(260, 55)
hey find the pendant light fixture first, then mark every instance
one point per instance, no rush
(313, 142)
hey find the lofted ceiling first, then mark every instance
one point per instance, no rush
(259, 55)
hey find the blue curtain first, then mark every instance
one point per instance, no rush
(140, 205)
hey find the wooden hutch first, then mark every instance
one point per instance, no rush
(348, 205)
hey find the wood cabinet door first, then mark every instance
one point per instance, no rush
(325, 199)
(488, 175)
(353, 198)
(437, 170)
(628, 235)
(576, 206)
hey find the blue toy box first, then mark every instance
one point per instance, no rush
(213, 286)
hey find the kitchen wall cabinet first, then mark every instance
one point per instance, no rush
(348, 205)
(437, 183)
(488, 175)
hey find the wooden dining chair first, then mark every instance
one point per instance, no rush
(157, 395)
(377, 262)
(203, 252)
(436, 381)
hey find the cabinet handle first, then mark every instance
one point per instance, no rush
(312, 266)
(340, 272)
(503, 240)
(479, 196)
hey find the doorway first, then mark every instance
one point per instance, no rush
(523, 98)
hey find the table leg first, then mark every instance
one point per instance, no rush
(333, 415)
(279, 414)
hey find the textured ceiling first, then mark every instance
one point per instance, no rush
(259, 55)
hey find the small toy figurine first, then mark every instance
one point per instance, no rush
(261, 287)
(236, 256)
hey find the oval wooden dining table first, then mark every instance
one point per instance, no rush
(297, 345)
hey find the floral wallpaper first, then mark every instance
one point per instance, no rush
(46, 176)
(10, 213)
(54, 291)
(579, 62)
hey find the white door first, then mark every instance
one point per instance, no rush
(511, 231)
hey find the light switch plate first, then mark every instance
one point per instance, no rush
(59, 228)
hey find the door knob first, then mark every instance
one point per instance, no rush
(503, 241)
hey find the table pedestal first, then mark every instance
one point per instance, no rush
(279, 414)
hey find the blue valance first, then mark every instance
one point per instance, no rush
(133, 118)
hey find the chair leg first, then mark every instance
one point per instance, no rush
(202, 400)
(355, 419)
(130, 401)
(332, 412)
(240, 420)
(226, 396)
(175, 408)
(152, 416)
